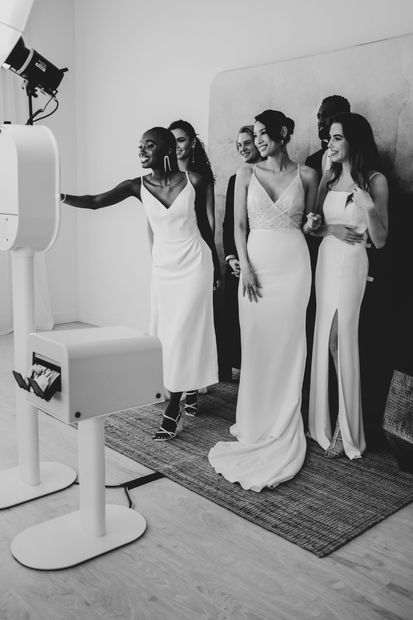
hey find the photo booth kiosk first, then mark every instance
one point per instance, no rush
(29, 223)
(96, 371)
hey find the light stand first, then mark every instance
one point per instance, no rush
(30, 92)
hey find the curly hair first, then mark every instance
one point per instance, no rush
(338, 102)
(199, 161)
(273, 120)
(364, 155)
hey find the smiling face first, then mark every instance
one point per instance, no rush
(338, 145)
(184, 144)
(246, 148)
(151, 150)
(265, 145)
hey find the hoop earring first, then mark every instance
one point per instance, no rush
(167, 164)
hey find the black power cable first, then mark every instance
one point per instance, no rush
(132, 484)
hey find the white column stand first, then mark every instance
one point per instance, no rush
(92, 475)
(91, 531)
(31, 478)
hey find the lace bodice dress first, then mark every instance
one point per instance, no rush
(271, 446)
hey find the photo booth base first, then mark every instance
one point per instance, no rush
(63, 542)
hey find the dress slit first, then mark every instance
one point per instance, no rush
(341, 277)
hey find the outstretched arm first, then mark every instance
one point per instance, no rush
(120, 192)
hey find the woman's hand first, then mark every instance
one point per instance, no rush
(362, 199)
(235, 266)
(313, 221)
(250, 284)
(348, 234)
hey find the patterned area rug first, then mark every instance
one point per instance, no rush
(326, 505)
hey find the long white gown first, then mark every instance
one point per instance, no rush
(181, 293)
(341, 277)
(271, 444)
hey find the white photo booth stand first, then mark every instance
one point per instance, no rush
(100, 370)
(29, 222)
(77, 375)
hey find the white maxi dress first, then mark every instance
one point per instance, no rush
(181, 293)
(341, 277)
(271, 444)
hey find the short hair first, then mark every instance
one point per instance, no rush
(249, 129)
(338, 102)
(273, 120)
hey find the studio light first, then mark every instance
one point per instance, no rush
(36, 69)
(38, 72)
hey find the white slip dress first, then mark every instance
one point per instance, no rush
(271, 444)
(181, 292)
(341, 277)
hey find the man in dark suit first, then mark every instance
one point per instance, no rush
(250, 154)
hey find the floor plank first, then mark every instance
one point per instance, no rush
(196, 559)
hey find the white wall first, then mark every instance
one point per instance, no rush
(140, 64)
(50, 30)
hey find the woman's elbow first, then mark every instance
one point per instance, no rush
(95, 202)
(380, 241)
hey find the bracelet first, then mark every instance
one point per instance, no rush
(63, 198)
(230, 257)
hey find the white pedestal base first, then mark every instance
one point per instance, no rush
(53, 477)
(63, 542)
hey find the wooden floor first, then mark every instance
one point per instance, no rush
(196, 560)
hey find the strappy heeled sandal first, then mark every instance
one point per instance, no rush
(191, 403)
(169, 427)
(336, 447)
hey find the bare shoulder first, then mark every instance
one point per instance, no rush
(308, 175)
(244, 173)
(196, 179)
(378, 182)
(135, 186)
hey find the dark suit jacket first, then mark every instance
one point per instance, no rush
(314, 161)
(228, 224)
